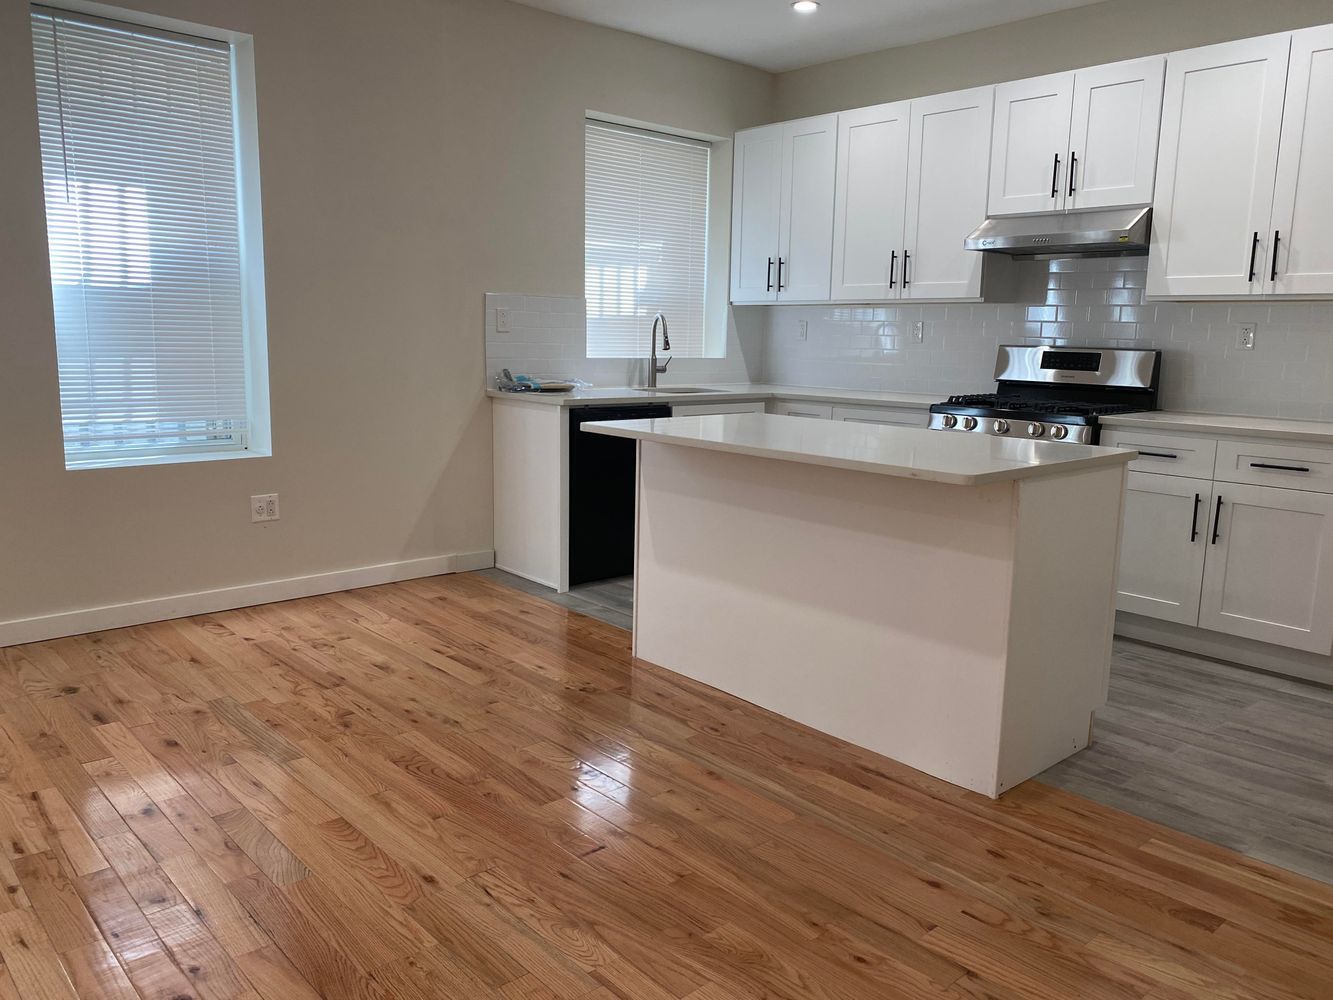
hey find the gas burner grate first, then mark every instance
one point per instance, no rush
(990, 400)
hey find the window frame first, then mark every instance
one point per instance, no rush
(258, 441)
(717, 229)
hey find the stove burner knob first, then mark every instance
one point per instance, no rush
(1000, 427)
(949, 420)
(1059, 432)
(969, 423)
(1036, 430)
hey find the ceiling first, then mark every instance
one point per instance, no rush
(770, 35)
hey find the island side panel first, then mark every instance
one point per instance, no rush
(870, 607)
(530, 469)
(1063, 617)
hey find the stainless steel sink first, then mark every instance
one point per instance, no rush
(675, 389)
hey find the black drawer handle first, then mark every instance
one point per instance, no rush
(1217, 520)
(1157, 454)
(1194, 519)
(1283, 468)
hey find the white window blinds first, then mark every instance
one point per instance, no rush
(646, 239)
(139, 156)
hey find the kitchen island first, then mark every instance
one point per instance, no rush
(945, 600)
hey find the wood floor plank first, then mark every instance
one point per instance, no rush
(449, 788)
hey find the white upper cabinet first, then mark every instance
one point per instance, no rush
(946, 194)
(782, 211)
(1301, 255)
(756, 197)
(805, 257)
(1030, 148)
(1117, 112)
(869, 204)
(1217, 160)
(1077, 140)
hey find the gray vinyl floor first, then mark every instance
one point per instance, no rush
(1233, 756)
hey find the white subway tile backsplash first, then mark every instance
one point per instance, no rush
(1087, 302)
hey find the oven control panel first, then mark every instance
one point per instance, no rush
(1036, 430)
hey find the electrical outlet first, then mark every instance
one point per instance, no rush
(264, 507)
(1245, 336)
(504, 320)
(919, 331)
(802, 329)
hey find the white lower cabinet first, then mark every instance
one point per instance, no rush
(883, 415)
(796, 408)
(1269, 571)
(708, 409)
(1246, 560)
(1163, 545)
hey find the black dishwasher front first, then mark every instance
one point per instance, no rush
(601, 494)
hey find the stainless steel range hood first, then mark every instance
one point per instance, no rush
(1104, 232)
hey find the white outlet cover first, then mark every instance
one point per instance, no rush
(503, 321)
(1245, 336)
(264, 507)
(803, 329)
(919, 331)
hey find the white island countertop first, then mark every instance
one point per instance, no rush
(905, 452)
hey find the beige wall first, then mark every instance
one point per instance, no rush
(415, 154)
(1084, 36)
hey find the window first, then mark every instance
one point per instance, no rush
(646, 239)
(154, 277)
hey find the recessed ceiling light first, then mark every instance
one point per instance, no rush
(805, 6)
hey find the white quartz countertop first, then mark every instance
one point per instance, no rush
(739, 392)
(1172, 422)
(906, 452)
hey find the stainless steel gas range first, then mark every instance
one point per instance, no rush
(1055, 393)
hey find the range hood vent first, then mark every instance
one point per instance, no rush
(1105, 232)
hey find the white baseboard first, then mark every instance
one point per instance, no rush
(13, 633)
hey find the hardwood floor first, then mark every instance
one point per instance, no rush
(447, 788)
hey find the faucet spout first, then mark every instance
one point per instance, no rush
(654, 369)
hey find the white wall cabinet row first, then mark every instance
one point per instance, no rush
(1228, 535)
(1231, 144)
(1244, 204)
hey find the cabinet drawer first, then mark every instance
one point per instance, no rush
(795, 408)
(1266, 463)
(887, 415)
(1166, 454)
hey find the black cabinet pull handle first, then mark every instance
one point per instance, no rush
(1157, 454)
(893, 268)
(906, 258)
(770, 275)
(1194, 518)
(1254, 249)
(1217, 520)
(1055, 177)
(1073, 167)
(780, 262)
(1277, 238)
(1283, 468)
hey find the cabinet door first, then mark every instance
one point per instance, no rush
(1031, 145)
(1162, 546)
(868, 207)
(1303, 203)
(1113, 135)
(1221, 119)
(1269, 571)
(756, 197)
(947, 181)
(809, 160)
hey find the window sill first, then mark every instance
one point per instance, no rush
(179, 459)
